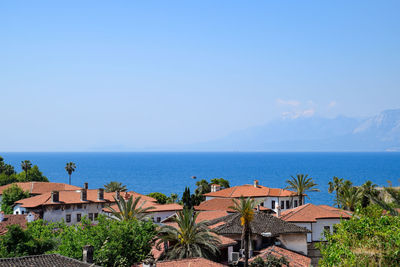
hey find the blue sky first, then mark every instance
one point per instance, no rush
(110, 75)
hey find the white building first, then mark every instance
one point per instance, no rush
(266, 196)
(316, 218)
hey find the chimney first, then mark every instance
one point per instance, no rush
(55, 196)
(255, 183)
(100, 194)
(215, 187)
(86, 186)
(83, 195)
(87, 254)
(116, 195)
(278, 211)
(1, 216)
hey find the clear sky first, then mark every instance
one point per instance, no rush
(117, 75)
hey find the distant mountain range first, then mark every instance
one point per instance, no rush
(377, 133)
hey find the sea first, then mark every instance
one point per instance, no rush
(172, 172)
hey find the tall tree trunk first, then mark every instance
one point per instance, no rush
(246, 247)
(69, 178)
(26, 174)
(300, 199)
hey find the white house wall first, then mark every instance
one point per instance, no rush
(295, 242)
(318, 228)
(309, 227)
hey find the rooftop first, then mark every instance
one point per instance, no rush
(310, 213)
(195, 262)
(37, 188)
(294, 259)
(10, 219)
(248, 190)
(47, 260)
(262, 223)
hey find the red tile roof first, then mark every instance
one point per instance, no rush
(221, 204)
(195, 262)
(74, 197)
(310, 213)
(248, 190)
(10, 219)
(155, 206)
(36, 188)
(210, 215)
(294, 259)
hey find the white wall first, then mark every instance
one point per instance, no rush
(53, 215)
(295, 242)
(318, 228)
(161, 214)
(19, 210)
(308, 226)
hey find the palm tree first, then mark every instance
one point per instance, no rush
(70, 168)
(245, 207)
(349, 196)
(392, 205)
(368, 192)
(130, 209)
(189, 239)
(335, 185)
(301, 184)
(173, 198)
(114, 187)
(26, 165)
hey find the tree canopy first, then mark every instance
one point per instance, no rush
(10, 195)
(367, 239)
(160, 197)
(116, 243)
(114, 186)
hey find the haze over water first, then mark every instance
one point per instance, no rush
(171, 172)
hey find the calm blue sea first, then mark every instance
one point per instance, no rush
(171, 172)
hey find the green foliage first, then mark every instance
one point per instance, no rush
(130, 209)
(221, 181)
(116, 243)
(391, 202)
(17, 242)
(114, 186)
(70, 168)
(187, 198)
(301, 184)
(8, 179)
(270, 261)
(368, 239)
(6, 169)
(10, 195)
(33, 174)
(173, 198)
(189, 239)
(160, 197)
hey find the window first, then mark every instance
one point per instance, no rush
(282, 204)
(327, 229)
(287, 204)
(16, 213)
(68, 218)
(79, 206)
(22, 212)
(273, 204)
(91, 216)
(78, 217)
(57, 207)
(96, 215)
(67, 207)
(295, 203)
(158, 219)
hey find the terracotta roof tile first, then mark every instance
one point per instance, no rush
(195, 262)
(220, 204)
(294, 259)
(262, 223)
(155, 206)
(65, 197)
(36, 188)
(210, 215)
(48, 260)
(248, 190)
(310, 213)
(11, 220)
